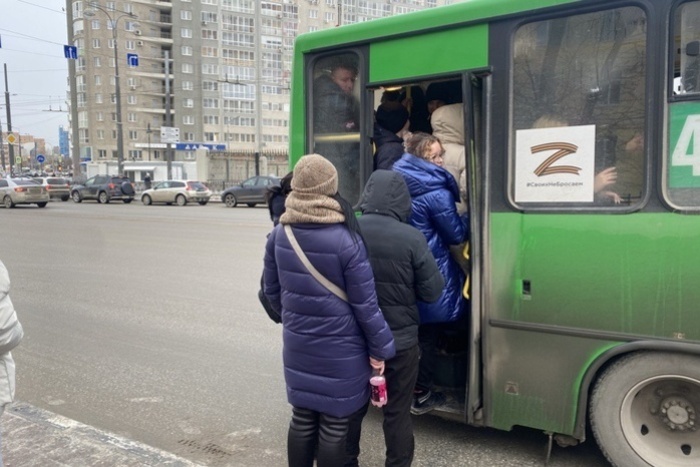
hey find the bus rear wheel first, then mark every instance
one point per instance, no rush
(644, 408)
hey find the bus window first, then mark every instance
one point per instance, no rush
(682, 176)
(336, 118)
(687, 48)
(578, 118)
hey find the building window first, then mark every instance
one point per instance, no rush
(95, 43)
(131, 117)
(131, 99)
(210, 34)
(187, 120)
(209, 17)
(186, 50)
(208, 103)
(187, 68)
(186, 15)
(187, 86)
(210, 69)
(188, 102)
(186, 33)
(133, 134)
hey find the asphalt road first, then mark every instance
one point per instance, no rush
(144, 321)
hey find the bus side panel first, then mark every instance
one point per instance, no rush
(543, 393)
(429, 54)
(632, 274)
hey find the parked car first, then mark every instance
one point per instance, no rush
(56, 187)
(250, 192)
(104, 188)
(15, 191)
(177, 191)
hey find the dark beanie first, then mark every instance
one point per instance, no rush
(392, 116)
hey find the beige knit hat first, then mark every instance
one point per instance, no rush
(314, 174)
(314, 183)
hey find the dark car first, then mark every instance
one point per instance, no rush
(104, 188)
(250, 192)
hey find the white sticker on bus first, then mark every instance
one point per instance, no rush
(690, 132)
(555, 164)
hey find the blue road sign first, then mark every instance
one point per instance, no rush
(195, 146)
(70, 51)
(132, 59)
(40, 158)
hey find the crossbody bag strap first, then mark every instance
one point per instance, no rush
(337, 291)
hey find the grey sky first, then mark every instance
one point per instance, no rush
(33, 33)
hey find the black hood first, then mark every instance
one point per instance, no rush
(386, 193)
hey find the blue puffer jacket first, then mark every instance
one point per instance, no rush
(433, 212)
(327, 342)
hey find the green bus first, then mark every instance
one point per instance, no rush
(584, 310)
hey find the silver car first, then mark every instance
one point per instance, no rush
(180, 192)
(15, 191)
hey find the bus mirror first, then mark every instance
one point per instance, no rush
(692, 49)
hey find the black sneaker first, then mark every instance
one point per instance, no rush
(426, 402)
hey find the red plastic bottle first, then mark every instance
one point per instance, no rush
(378, 390)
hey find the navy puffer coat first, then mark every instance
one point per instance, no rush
(433, 212)
(327, 342)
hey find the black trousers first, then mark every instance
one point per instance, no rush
(314, 434)
(401, 373)
(428, 337)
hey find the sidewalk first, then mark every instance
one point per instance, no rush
(36, 437)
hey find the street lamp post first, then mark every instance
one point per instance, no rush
(148, 132)
(117, 87)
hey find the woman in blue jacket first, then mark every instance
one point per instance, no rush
(330, 345)
(434, 192)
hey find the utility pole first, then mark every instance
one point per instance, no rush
(258, 87)
(168, 115)
(148, 132)
(75, 133)
(10, 149)
(2, 148)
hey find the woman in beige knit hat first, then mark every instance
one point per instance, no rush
(332, 339)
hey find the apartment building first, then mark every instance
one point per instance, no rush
(226, 76)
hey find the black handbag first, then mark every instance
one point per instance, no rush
(274, 316)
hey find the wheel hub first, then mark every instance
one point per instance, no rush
(678, 414)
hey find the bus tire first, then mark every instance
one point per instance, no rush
(643, 410)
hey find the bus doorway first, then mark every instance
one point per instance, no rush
(451, 108)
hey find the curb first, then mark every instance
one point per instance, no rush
(37, 437)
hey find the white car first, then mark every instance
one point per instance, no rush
(180, 192)
(15, 191)
(57, 187)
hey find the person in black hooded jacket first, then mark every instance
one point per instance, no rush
(404, 272)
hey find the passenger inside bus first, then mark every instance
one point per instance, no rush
(413, 98)
(390, 126)
(335, 117)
